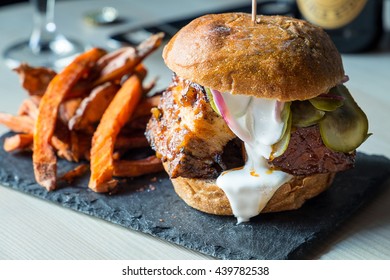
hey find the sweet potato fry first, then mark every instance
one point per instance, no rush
(141, 115)
(62, 143)
(68, 109)
(28, 108)
(78, 171)
(82, 88)
(128, 59)
(44, 159)
(144, 107)
(141, 71)
(36, 99)
(34, 79)
(94, 110)
(62, 147)
(20, 124)
(74, 145)
(136, 123)
(83, 148)
(132, 168)
(103, 142)
(130, 142)
(110, 57)
(91, 109)
(18, 142)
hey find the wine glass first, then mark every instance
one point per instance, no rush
(45, 47)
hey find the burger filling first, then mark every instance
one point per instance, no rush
(192, 139)
(259, 124)
(251, 145)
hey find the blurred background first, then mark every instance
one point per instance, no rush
(354, 25)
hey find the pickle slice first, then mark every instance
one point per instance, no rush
(346, 128)
(281, 146)
(304, 114)
(328, 102)
(211, 100)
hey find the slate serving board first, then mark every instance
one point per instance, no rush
(150, 205)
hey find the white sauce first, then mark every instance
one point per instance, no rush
(257, 122)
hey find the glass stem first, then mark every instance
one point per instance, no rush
(44, 30)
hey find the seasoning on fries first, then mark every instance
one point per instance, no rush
(93, 110)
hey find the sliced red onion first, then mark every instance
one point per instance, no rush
(345, 79)
(233, 124)
(278, 110)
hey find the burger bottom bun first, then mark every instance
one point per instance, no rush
(206, 196)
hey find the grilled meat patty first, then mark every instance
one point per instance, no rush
(197, 143)
(188, 135)
(306, 154)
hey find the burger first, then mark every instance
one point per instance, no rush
(257, 117)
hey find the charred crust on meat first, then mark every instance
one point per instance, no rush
(189, 96)
(306, 154)
(182, 133)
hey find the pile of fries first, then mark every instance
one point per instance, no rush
(94, 110)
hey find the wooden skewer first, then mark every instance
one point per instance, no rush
(254, 10)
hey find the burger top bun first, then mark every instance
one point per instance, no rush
(277, 58)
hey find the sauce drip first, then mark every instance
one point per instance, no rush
(258, 123)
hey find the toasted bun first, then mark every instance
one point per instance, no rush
(206, 196)
(277, 58)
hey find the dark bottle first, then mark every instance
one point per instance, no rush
(353, 25)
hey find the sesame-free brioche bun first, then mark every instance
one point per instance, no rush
(276, 58)
(206, 196)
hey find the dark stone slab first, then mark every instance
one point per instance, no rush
(150, 205)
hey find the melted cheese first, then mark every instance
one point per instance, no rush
(257, 122)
